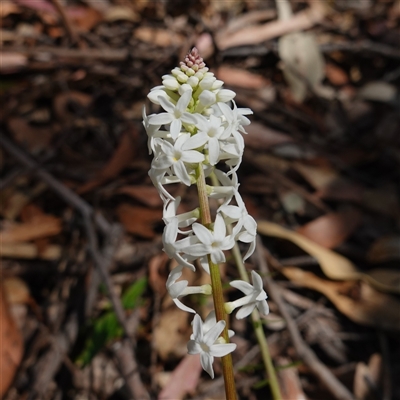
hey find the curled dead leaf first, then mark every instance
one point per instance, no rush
(334, 265)
(358, 300)
(241, 78)
(40, 226)
(11, 345)
(139, 220)
(158, 37)
(332, 229)
(184, 379)
(122, 157)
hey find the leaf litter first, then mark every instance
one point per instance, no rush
(320, 171)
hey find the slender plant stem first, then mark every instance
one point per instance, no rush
(218, 297)
(257, 323)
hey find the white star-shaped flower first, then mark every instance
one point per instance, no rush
(175, 157)
(255, 297)
(175, 114)
(206, 344)
(211, 243)
(245, 229)
(181, 288)
(209, 132)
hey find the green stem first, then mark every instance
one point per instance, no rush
(257, 323)
(218, 297)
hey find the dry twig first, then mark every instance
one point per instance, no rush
(302, 349)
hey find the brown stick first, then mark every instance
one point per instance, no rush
(128, 362)
(302, 349)
(66, 21)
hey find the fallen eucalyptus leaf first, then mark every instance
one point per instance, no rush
(358, 300)
(334, 265)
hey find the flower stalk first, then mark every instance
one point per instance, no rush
(216, 284)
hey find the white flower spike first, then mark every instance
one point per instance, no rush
(199, 133)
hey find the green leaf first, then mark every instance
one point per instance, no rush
(106, 328)
(134, 293)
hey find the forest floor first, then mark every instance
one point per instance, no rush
(84, 311)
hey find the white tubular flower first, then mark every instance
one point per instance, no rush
(212, 243)
(209, 132)
(173, 248)
(255, 297)
(184, 219)
(245, 229)
(209, 322)
(174, 115)
(206, 344)
(181, 288)
(175, 156)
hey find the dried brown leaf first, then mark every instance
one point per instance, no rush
(289, 381)
(260, 33)
(332, 229)
(40, 226)
(11, 345)
(122, 157)
(183, 380)
(334, 265)
(241, 78)
(147, 195)
(30, 251)
(261, 137)
(159, 37)
(358, 300)
(336, 75)
(33, 138)
(84, 18)
(16, 291)
(139, 220)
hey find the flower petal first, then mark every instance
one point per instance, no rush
(206, 361)
(160, 119)
(263, 307)
(203, 234)
(193, 347)
(221, 350)
(245, 311)
(243, 286)
(212, 335)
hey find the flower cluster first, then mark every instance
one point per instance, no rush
(201, 126)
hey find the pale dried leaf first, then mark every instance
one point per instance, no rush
(378, 91)
(12, 61)
(11, 345)
(159, 37)
(304, 64)
(357, 300)
(183, 380)
(40, 226)
(30, 251)
(241, 78)
(289, 381)
(334, 265)
(332, 229)
(367, 375)
(16, 290)
(260, 33)
(121, 13)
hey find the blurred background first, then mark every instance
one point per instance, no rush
(84, 313)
